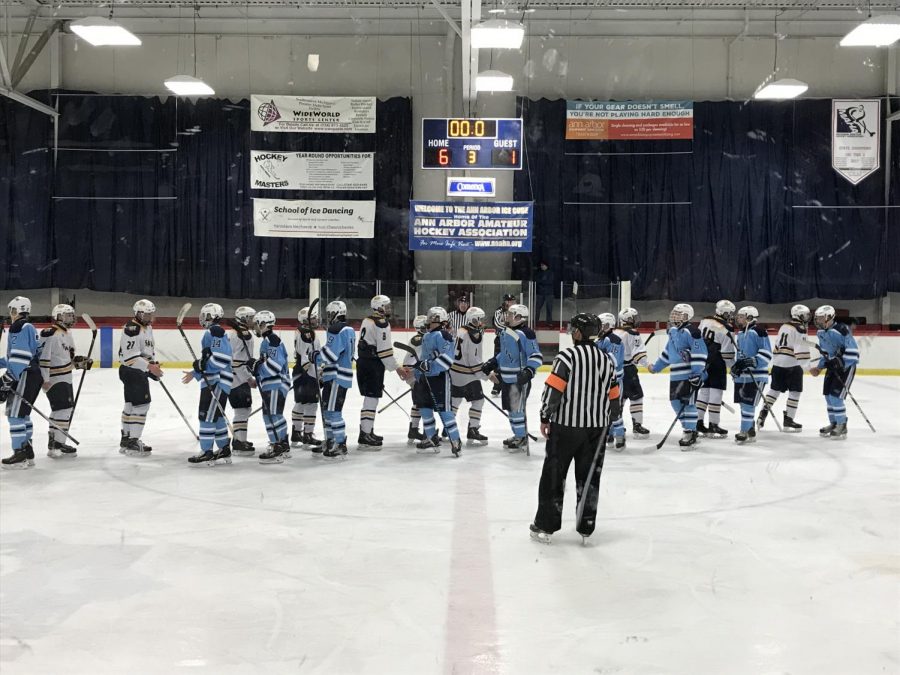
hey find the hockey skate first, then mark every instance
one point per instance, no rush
(539, 535)
(123, 442)
(429, 446)
(507, 442)
(308, 441)
(610, 439)
(763, 414)
(336, 451)
(273, 455)
(378, 438)
(620, 443)
(475, 437)
(413, 436)
(839, 433)
(296, 438)
(205, 458)
(702, 428)
(136, 448)
(744, 437)
(23, 458)
(519, 445)
(715, 431)
(58, 450)
(790, 426)
(242, 449)
(285, 446)
(223, 455)
(367, 442)
(688, 440)
(825, 432)
(456, 447)
(639, 430)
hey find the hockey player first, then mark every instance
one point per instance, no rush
(499, 323)
(611, 343)
(432, 390)
(466, 375)
(274, 381)
(214, 373)
(839, 356)
(750, 369)
(716, 332)
(635, 355)
(376, 354)
(790, 360)
(137, 364)
(337, 355)
(457, 318)
(685, 352)
(517, 362)
(21, 383)
(420, 323)
(240, 336)
(308, 365)
(57, 360)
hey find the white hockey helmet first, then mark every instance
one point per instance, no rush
(19, 305)
(825, 316)
(475, 318)
(516, 315)
(381, 305)
(420, 323)
(64, 315)
(725, 310)
(263, 322)
(144, 311)
(629, 317)
(307, 320)
(746, 315)
(210, 313)
(437, 315)
(607, 322)
(336, 311)
(245, 315)
(681, 314)
(801, 314)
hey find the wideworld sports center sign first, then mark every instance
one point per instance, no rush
(458, 226)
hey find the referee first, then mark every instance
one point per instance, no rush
(580, 397)
(458, 316)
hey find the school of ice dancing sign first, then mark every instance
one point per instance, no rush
(311, 170)
(317, 219)
(629, 120)
(458, 226)
(318, 114)
(855, 127)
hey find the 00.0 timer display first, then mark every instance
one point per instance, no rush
(471, 143)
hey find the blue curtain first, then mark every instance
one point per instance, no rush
(733, 213)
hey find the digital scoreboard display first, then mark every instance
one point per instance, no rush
(469, 143)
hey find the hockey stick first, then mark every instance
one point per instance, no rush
(847, 389)
(671, 426)
(587, 486)
(504, 413)
(762, 394)
(315, 355)
(47, 419)
(90, 322)
(168, 393)
(178, 322)
(395, 400)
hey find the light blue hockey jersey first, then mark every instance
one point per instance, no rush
(519, 349)
(753, 342)
(337, 354)
(612, 345)
(273, 372)
(437, 351)
(838, 341)
(685, 353)
(217, 352)
(21, 348)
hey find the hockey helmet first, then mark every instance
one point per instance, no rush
(681, 314)
(516, 315)
(585, 323)
(475, 318)
(464, 298)
(725, 310)
(801, 314)
(263, 322)
(64, 315)
(508, 300)
(629, 317)
(437, 315)
(381, 305)
(825, 317)
(144, 311)
(336, 311)
(746, 316)
(245, 315)
(607, 322)
(307, 320)
(420, 323)
(19, 305)
(211, 313)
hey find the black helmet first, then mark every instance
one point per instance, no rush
(588, 324)
(509, 296)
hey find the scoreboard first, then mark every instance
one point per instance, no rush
(471, 143)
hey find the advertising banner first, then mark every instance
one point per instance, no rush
(855, 149)
(311, 170)
(317, 219)
(457, 226)
(629, 120)
(313, 114)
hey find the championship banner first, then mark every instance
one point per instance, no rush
(313, 114)
(317, 219)
(855, 149)
(629, 120)
(457, 226)
(311, 170)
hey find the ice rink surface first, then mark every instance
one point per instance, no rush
(779, 557)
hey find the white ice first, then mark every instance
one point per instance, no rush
(778, 557)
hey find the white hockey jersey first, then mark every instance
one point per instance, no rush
(375, 341)
(304, 350)
(241, 340)
(56, 354)
(467, 357)
(136, 346)
(791, 347)
(633, 346)
(717, 336)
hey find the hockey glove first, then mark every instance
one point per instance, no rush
(837, 363)
(696, 382)
(82, 363)
(250, 365)
(423, 367)
(489, 366)
(524, 376)
(743, 365)
(683, 390)
(7, 386)
(615, 408)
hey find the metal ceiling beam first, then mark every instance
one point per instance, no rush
(449, 19)
(5, 77)
(23, 42)
(22, 68)
(27, 100)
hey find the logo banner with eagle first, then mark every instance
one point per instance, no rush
(855, 138)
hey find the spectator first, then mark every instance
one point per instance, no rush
(545, 291)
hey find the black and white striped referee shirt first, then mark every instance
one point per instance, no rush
(579, 388)
(457, 319)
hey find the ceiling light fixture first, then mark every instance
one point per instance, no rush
(102, 32)
(498, 34)
(493, 80)
(780, 90)
(190, 85)
(876, 31)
